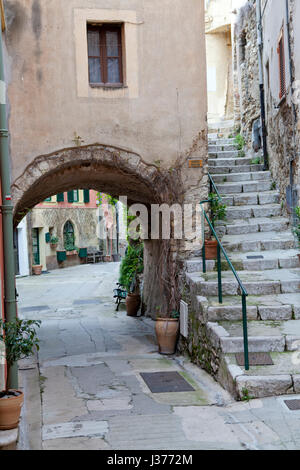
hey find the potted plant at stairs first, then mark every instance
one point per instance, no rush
(218, 212)
(132, 265)
(20, 340)
(166, 330)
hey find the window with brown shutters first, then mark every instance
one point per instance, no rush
(282, 75)
(105, 54)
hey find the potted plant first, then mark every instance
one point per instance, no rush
(296, 229)
(166, 330)
(54, 242)
(37, 269)
(132, 265)
(19, 339)
(218, 212)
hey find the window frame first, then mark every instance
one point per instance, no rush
(102, 28)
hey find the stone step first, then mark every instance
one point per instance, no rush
(247, 212)
(278, 307)
(275, 259)
(213, 139)
(263, 336)
(251, 199)
(217, 170)
(257, 242)
(272, 282)
(258, 224)
(241, 177)
(215, 148)
(224, 154)
(244, 187)
(282, 378)
(229, 162)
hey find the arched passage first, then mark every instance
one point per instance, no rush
(117, 172)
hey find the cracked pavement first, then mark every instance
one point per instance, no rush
(84, 389)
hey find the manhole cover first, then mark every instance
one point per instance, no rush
(255, 257)
(35, 309)
(86, 302)
(293, 405)
(164, 382)
(255, 359)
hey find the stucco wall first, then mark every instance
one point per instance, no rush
(157, 116)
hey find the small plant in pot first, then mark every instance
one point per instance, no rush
(20, 340)
(166, 330)
(218, 212)
(37, 269)
(54, 242)
(132, 265)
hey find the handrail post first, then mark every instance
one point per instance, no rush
(219, 275)
(245, 330)
(204, 258)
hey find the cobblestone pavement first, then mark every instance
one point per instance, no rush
(85, 389)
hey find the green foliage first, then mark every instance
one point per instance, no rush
(241, 154)
(19, 338)
(175, 315)
(69, 242)
(245, 395)
(256, 161)
(273, 186)
(109, 199)
(218, 210)
(239, 141)
(296, 230)
(131, 265)
(54, 240)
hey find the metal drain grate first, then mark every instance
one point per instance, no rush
(293, 405)
(255, 359)
(255, 257)
(164, 382)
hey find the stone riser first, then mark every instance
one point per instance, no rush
(215, 170)
(258, 246)
(256, 228)
(263, 313)
(210, 288)
(255, 211)
(213, 148)
(224, 154)
(248, 187)
(229, 162)
(241, 177)
(249, 199)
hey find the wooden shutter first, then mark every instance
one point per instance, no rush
(282, 75)
(86, 196)
(70, 196)
(60, 197)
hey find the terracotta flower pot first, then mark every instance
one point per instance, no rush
(107, 259)
(53, 246)
(211, 249)
(37, 269)
(10, 410)
(133, 302)
(166, 330)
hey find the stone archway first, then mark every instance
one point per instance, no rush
(111, 170)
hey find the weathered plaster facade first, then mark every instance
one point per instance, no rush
(133, 140)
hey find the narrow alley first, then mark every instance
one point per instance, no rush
(91, 394)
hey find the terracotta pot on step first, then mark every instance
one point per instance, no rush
(10, 410)
(133, 302)
(211, 249)
(37, 269)
(166, 330)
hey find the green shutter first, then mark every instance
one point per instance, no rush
(47, 237)
(48, 199)
(86, 196)
(70, 196)
(60, 197)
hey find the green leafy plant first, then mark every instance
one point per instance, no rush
(245, 395)
(256, 161)
(132, 264)
(273, 186)
(218, 210)
(54, 240)
(296, 229)
(175, 314)
(241, 154)
(239, 141)
(106, 197)
(20, 339)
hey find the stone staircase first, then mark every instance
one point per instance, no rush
(262, 248)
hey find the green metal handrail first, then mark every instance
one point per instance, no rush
(213, 186)
(244, 292)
